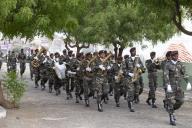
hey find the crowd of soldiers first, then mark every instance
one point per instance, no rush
(100, 75)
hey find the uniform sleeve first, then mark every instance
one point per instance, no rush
(166, 73)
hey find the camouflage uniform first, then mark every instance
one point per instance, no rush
(152, 76)
(131, 64)
(173, 74)
(88, 76)
(22, 61)
(102, 87)
(110, 77)
(12, 62)
(52, 74)
(119, 87)
(1, 59)
(71, 76)
(30, 65)
(44, 74)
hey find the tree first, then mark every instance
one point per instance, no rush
(172, 12)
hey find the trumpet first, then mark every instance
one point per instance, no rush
(158, 61)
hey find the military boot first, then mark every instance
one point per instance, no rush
(58, 92)
(87, 103)
(42, 87)
(100, 107)
(148, 101)
(77, 99)
(153, 104)
(172, 119)
(130, 105)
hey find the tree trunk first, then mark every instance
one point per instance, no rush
(5, 103)
(115, 50)
(121, 51)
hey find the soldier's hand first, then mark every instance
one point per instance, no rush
(138, 65)
(88, 69)
(108, 67)
(131, 74)
(101, 67)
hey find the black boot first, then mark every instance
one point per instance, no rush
(148, 101)
(87, 103)
(42, 87)
(172, 120)
(58, 92)
(117, 104)
(36, 85)
(50, 90)
(77, 99)
(100, 107)
(153, 104)
(130, 105)
(136, 99)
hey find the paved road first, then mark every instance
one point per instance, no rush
(43, 110)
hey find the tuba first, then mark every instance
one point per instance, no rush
(35, 62)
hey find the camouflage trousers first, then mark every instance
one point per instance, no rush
(132, 89)
(79, 87)
(88, 87)
(111, 83)
(152, 85)
(1, 64)
(175, 99)
(22, 68)
(119, 90)
(101, 88)
(37, 75)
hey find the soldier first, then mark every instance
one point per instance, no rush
(135, 61)
(110, 76)
(174, 72)
(44, 65)
(79, 78)
(88, 76)
(7, 57)
(12, 62)
(22, 60)
(51, 72)
(1, 59)
(100, 69)
(71, 74)
(36, 69)
(32, 55)
(65, 56)
(152, 66)
(59, 80)
(119, 87)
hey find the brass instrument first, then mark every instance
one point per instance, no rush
(120, 74)
(137, 71)
(158, 61)
(106, 58)
(35, 62)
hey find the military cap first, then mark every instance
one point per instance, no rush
(101, 51)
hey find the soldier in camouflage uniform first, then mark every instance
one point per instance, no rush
(135, 61)
(152, 67)
(79, 78)
(102, 87)
(173, 74)
(88, 76)
(32, 55)
(1, 59)
(22, 60)
(36, 70)
(51, 72)
(12, 62)
(133, 87)
(110, 76)
(119, 87)
(44, 74)
(71, 74)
